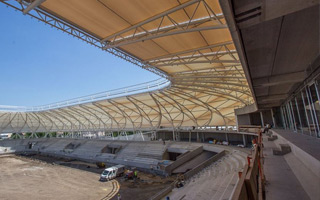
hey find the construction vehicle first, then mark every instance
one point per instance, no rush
(112, 172)
(129, 174)
(100, 164)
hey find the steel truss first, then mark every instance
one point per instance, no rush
(198, 55)
(199, 98)
(138, 32)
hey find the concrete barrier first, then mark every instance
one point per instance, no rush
(204, 164)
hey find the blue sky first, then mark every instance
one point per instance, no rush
(41, 65)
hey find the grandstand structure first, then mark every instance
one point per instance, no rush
(186, 42)
(221, 63)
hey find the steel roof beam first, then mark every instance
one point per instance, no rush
(138, 32)
(196, 62)
(191, 51)
(152, 19)
(196, 56)
(195, 76)
(34, 4)
(163, 14)
(133, 40)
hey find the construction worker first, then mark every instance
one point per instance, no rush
(119, 196)
(135, 174)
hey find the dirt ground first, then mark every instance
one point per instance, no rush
(142, 188)
(42, 177)
(22, 178)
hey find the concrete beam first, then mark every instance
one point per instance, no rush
(275, 8)
(267, 105)
(279, 79)
(256, 12)
(271, 98)
(245, 110)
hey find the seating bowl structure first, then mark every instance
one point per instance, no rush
(141, 154)
(216, 181)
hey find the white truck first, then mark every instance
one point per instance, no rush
(112, 172)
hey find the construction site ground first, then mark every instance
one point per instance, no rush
(43, 177)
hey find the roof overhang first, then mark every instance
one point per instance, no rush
(277, 43)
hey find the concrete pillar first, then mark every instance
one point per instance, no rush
(273, 119)
(178, 136)
(173, 135)
(197, 136)
(237, 123)
(227, 138)
(189, 136)
(244, 140)
(262, 121)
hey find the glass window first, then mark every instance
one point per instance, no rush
(315, 105)
(295, 114)
(284, 116)
(289, 116)
(303, 116)
(308, 108)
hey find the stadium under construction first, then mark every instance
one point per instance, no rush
(235, 113)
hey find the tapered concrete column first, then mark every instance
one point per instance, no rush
(244, 140)
(262, 121)
(273, 119)
(173, 135)
(197, 136)
(237, 123)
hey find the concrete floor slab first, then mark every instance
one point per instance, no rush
(309, 144)
(282, 184)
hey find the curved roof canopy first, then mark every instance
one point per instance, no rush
(187, 42)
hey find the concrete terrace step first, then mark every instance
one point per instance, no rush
(216, 181)
(90, 147)
(225, 189)
(242, 160)
(148, 155)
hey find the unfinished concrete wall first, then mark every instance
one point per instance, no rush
(278, 118)
(255, 119)
(244, 119)
(267, 117)
(235, 139)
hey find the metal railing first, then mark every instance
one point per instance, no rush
(149, 86)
